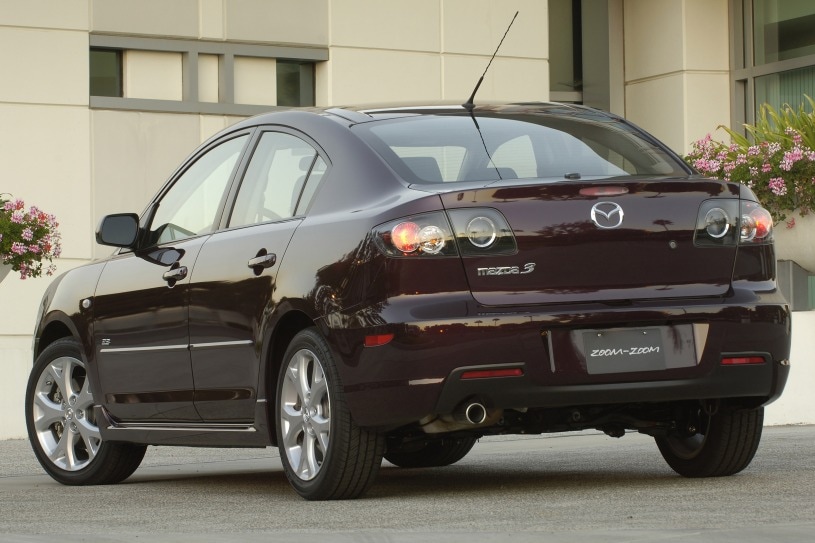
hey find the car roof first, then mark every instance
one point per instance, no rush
(356, 114)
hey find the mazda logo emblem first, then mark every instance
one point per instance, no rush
(607, 215)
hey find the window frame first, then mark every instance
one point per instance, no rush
(743, 69)
(190, 49)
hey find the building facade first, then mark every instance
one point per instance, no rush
(101, 99)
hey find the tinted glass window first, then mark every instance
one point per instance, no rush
(313, 181)
(190, 207)
(428, 149)
(274, 179)
(105, 70)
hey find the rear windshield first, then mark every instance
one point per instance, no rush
(434, 149)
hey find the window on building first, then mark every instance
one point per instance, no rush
(774, 60)
(105, 72)
(295, 83)
(188, 76)
(565, 51)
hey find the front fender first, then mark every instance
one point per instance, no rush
(62, 312)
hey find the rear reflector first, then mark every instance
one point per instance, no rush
(742, 360)
(486, 374)
(378, 340)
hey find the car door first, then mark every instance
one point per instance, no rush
(141, 324)
(233, 285)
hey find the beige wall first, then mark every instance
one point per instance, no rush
(436, 51)
(677, 67)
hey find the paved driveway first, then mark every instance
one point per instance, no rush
(577, 487)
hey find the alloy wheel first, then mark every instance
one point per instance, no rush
(305, 414)
(63, 417)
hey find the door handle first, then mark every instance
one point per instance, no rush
(261, 262)
(175, 274)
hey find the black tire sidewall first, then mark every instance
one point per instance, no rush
(727, 448)
(320, 485)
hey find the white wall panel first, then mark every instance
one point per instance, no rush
(175, 18)
(43, 67)
(255, 81)
(278, 21)
(44, 159)
(387, 25)
(475, 27)
(366, 76)
(62, 14)
(153, 75)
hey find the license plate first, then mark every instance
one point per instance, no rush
(623, 350)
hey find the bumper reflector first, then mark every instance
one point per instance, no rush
(378, 340)
(742, 360)
(486, 374)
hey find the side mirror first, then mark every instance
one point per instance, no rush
(119, 230)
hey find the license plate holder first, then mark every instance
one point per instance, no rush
(625, 350)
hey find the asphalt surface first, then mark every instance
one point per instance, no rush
(576, 487)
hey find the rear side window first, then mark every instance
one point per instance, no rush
(283, 169)
(432, 149)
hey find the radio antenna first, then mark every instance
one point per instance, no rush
(470, 104)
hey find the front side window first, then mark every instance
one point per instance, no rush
(275, 178)
(190, 207)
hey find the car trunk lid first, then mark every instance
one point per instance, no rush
(608, 242)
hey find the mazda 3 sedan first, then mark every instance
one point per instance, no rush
(357, 284)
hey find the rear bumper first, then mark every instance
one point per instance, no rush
(764, 383)
(419, 372)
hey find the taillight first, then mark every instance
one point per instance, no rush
(428, 234)
(482, 231)
(468, 231)
(730, 222)
(405, 236)
(756, 223)
(717, 223)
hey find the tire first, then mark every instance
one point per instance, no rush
(725, 443)
(325, 455)
(61, 422)
(432, 453)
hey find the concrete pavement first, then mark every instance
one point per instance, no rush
(576, 487)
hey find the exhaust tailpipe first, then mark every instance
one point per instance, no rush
(474, 413)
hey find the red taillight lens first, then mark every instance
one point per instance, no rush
(742, 360)
(756, 223)
(378, 340)
(486, 374)
(405, 236)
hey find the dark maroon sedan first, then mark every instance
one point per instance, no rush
(353, 284)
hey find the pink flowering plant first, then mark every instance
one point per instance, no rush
(29, 239)
(777, 162)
